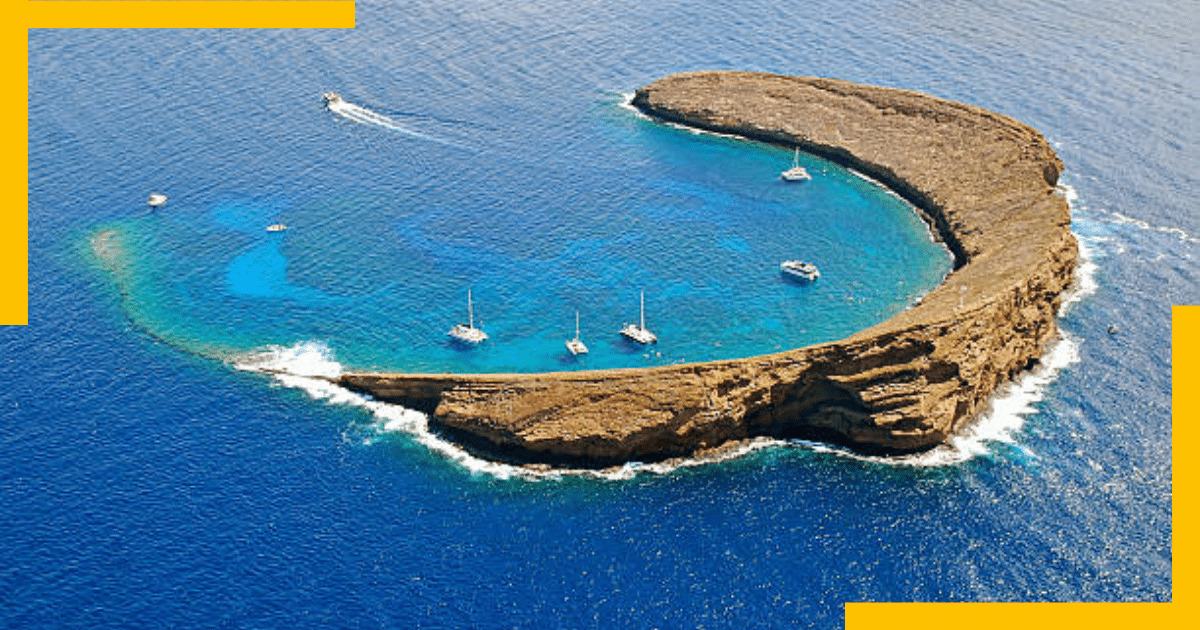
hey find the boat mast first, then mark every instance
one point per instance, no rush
(470, 310)
(643, 310)
(576, 324)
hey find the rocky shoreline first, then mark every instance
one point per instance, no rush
(983, 181)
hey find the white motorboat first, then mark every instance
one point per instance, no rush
(331, 98)
(576, 346)
(800, 270)
(639, 332)
(157, 199)
(797, 172)
(276, 227)
(468, 333)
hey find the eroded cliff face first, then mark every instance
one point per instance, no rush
(985, 183)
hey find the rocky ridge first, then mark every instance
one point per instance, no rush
(985, 183)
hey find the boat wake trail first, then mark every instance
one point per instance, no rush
(364, 116)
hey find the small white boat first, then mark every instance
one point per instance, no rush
(331, 98)
(797, 172)
(468, 333)
(157, 199)
(639, 332)
(276, 227)
(800, 270)
(576, 346)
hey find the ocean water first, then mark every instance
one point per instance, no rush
(394, 214)
(156, 476)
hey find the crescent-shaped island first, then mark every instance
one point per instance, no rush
(984, 182)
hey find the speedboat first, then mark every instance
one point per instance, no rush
(639, 332)
(797, 172)
(157, 199)
(800, 270)
(331, 98)
(468, 333)
(276, 227)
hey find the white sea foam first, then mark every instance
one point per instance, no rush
(310, 366)
(1077, 206)
(1084, 283)
(1015, 401)
(627, 103)
(306, 358)
(1085, 273)
(1068, 192)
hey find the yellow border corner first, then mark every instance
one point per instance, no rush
(1185, 406)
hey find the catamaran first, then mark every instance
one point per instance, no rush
(797, 172)
(800, 270)
(576, 346)
(468, 333)
(639, 332)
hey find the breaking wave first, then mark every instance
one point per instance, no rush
(311, 367)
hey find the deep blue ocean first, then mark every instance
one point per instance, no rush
(153, 476)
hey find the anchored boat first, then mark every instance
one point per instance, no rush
(639, 332)
(800, 270)
(796, 173)
(468, 333)
(576, 346)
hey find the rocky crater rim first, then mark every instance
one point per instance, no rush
(983, 181)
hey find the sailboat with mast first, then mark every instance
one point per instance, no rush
(576, 345)
(468, 333)
(639, 332)
(796, 173)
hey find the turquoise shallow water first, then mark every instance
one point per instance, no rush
(378, 275)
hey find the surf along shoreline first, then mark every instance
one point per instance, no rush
(983, 181)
